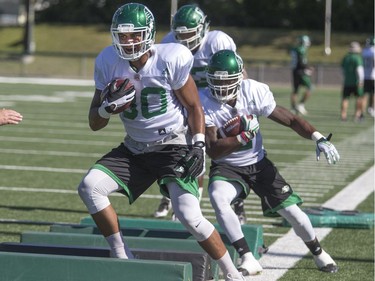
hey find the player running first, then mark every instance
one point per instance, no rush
(239, 163)
(161, 144)
(301, 74)
(190, 27)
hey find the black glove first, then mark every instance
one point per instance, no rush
(193, 164)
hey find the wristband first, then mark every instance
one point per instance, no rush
(198, 137)
(316, 136)
(103, 113)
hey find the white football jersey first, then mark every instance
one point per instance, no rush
(368, 62)
(253, 98)
(156, 110)
(214, 41)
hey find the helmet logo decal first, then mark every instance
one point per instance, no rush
(125, 27)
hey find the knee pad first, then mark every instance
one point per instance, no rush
(187, 210)
(94, 190)
(222, 194)
(200, 227)
(299, 221)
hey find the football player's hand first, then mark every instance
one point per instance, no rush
(324, 145)
(194, 162)
(116, 95)
(249, 123)
(245, 137)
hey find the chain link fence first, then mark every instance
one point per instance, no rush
(81, 66)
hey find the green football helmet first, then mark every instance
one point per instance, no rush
(304, 41)
(133, 18)
(190, 19)
(224, 75)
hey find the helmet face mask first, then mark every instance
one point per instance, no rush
(133, 31)
(189, 26)
(224, 75)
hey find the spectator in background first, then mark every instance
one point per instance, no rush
(301, 74)
(352, 67)
(368, 56)
(190, 27)
(9, 116)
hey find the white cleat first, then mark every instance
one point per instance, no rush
(163, 209)
(325, 263)
(301, 109)
(231, 278)
(249, 265)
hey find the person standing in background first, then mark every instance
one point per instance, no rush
(368, 56)
(301, 74)
(352, 67)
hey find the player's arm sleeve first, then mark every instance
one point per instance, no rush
(223, 42)
(99, 76)
(180, 66)
(266, 100)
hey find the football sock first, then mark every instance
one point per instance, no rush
(226, 265)
(241, 246)
(118, 248)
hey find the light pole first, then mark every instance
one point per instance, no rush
(327, 31)
(173, 8)
(29, 44)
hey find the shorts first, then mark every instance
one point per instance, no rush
(135, 173)
(368, 86)
(264, 179)
(352, 90)
(300, 79)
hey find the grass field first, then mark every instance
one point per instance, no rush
(43, 159)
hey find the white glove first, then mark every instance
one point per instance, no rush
(245, 137)
(250, 123)
(324, 145)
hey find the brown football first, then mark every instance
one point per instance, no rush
(231, 128)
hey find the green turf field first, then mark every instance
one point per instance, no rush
(43, 159)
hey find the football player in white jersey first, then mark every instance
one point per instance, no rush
(190, 27)
(239, 162)
(161, 143)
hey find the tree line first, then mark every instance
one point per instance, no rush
(347, 15)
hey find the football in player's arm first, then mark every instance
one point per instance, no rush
(239, 162)
(162, 144)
